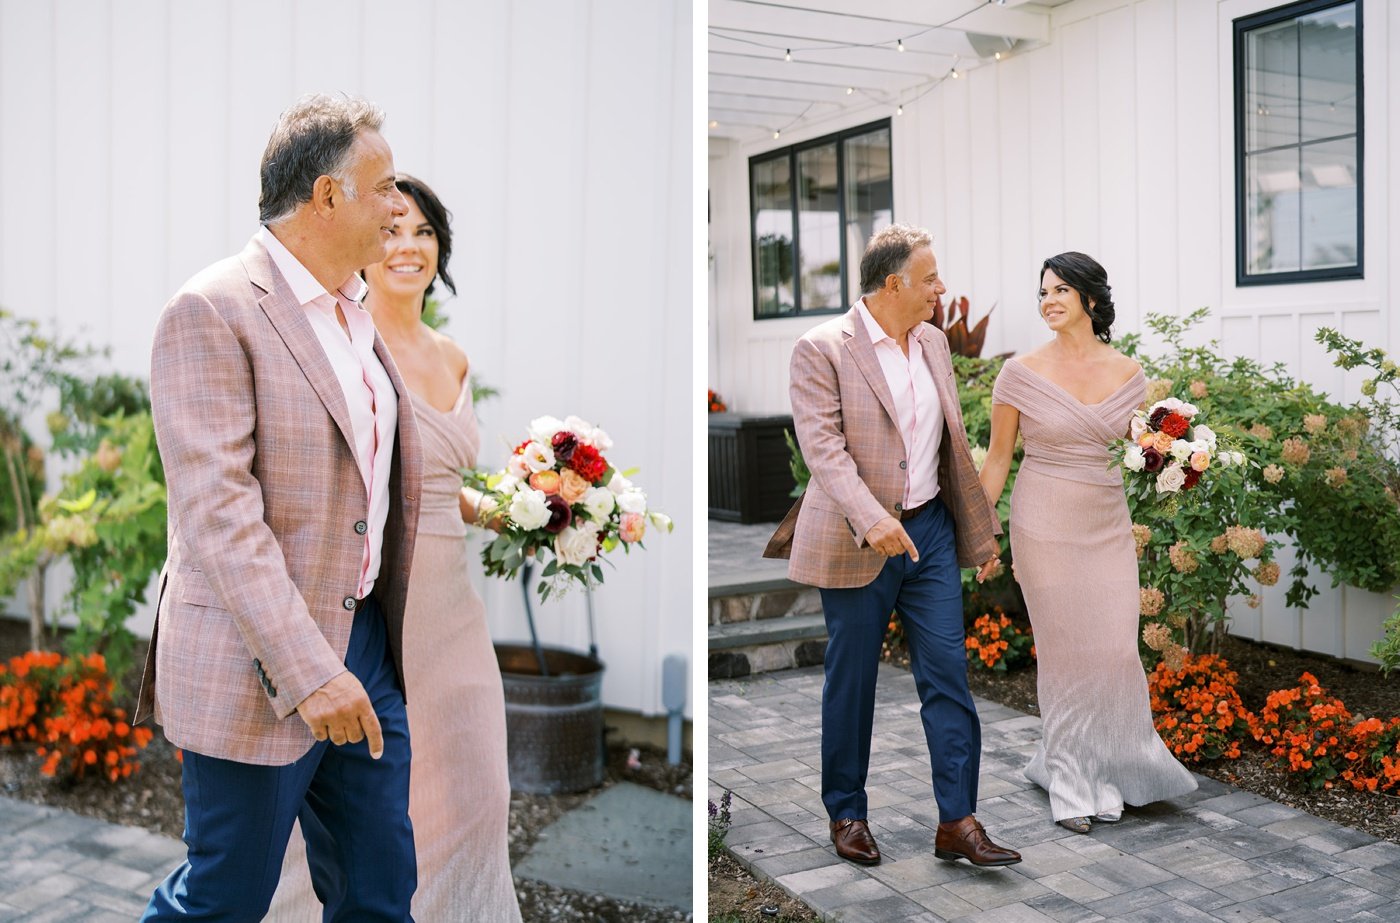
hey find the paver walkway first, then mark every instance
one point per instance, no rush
(1217, 854)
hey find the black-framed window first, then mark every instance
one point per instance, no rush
(1298, 144)
(813, 206)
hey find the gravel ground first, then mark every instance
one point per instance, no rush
(151, 798)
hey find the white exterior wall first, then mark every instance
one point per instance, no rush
(1115, 138)
(557, 132)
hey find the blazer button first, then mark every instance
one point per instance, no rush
(361, 527)
(903, 465)
(350, 603)
(899, 507)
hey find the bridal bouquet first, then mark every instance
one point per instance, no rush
(1167, 453)
(559, 494)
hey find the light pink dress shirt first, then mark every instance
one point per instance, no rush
(920, 415)
(369, 392)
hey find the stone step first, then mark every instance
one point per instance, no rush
(761, 646)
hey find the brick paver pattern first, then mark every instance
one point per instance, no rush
(1217, 854)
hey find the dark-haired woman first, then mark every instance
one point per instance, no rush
(1071, 539)
(459, 794)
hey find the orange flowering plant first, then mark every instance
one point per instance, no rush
(1373, 755)
(63, 707)
(997, 643)
(1197, 710)
(1306, 730)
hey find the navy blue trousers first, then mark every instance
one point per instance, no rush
(928, 598)
(353, 812)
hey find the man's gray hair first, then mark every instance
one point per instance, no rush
(888, 254)
(312, 139)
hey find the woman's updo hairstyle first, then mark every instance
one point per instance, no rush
(1084, 274)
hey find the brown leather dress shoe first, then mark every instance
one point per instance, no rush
(966, 839)
(854, 842)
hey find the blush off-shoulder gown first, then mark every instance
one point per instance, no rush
(1072, 543)
(459, 789)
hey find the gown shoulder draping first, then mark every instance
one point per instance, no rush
(459, 792)
(1071, 540)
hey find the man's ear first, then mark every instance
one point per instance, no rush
(892, 281)
(325, 196)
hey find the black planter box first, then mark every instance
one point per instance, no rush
(750, 475)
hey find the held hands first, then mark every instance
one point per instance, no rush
(889, 538)
(341, 711)
(991, 569)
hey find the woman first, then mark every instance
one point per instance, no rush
(459, 798)
(1075, 560)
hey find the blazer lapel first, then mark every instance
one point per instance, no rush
(940, 367)
(863, 352)
(292, 325)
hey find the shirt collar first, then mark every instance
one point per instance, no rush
(302, 283)
(876, 332)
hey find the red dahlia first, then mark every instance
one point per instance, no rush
(1174, 425)
(588, 463)
(1192, 477)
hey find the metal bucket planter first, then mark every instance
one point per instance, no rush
(554, 723)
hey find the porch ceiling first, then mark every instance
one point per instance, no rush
(844, 54)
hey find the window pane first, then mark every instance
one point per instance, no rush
(869, 199)
(819, 227)
(1271, 223)
(772, 235)
(1329, 205)
(1271, 86)
(1327, 43)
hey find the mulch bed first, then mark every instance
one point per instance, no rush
(737, 897)
(151, 798)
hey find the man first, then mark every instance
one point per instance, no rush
(892, 509)
(292, 465)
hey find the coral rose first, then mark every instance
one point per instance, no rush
(546, 482)
(1162, 442)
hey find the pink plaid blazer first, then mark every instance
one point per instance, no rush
(264, 501)
(845, 420)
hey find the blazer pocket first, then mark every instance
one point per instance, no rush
(196, 591)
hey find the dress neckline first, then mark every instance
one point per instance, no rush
(456, 405)
(1112, 394)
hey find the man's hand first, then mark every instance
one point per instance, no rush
(341, 711)
(889, 538)
(991, 569)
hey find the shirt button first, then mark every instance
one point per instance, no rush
(361, 527)
(903, 465)
(350, 602)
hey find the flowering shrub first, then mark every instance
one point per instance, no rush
(1197, 710)
(997, 643)
(1373, 755)
(713, 403)
(64, 706)
(1306, 730)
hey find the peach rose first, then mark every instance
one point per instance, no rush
(1200, 461)
(632, 527)
(572, 486)
(546, 482)
(1162, 442)
(1147, 440)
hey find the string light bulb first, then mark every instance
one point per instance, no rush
(787, 55)
(714, 124)
(899, 110)
(997, 56)
(850, 90)
(776, 134)
(955, 75)
(899, 45)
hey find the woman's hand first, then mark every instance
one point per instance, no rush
(989, 570)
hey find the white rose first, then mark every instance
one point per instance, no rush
(1133, 459)
(1203, 433)
(1187, 410)
(542, 429)
(588, 434)
(632, 501)
(1200, 445)
(1171, 479)
(598, 503)
(1137, 426)
(528, 508)
(619, 484)
(575, 545)
(661, 521)
(1223, 459)
(1180, 450)
(1170, 403)
(538, 456)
